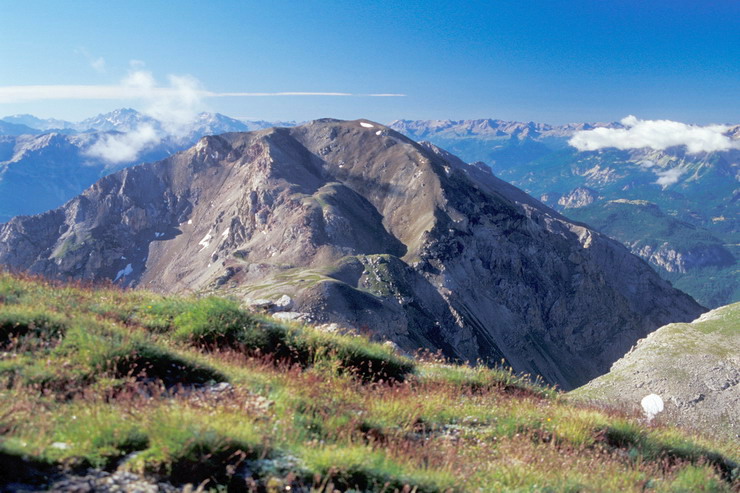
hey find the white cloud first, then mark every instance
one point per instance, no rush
(669, 176)
(98, 64)
(656, 134)
(177, 108)
(125, 148)
(174, 107)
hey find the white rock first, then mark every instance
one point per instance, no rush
(652, 404)
(284, 303)
(290, 316)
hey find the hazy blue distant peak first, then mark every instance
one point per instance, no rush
(128, 120)
(260, 124)
(491, 128)
(8, 128)
(38, 123)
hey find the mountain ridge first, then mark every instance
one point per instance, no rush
(361, 226)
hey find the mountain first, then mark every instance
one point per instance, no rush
(40, 169)
(358, 225)
(696, 192)
(7, 128)
(489, 129)
(128, 120)
(694, 259)
(39, 124)
(38, 172)
(694, 367)
(120, 120)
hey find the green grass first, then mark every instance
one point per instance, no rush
(97, 377)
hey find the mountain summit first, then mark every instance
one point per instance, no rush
(361, 226)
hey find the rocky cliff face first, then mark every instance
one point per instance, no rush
(694, 367)
(578, 197)
(366, 228)
(674, 260)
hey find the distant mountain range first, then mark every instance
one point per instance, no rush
(677, 210)
(127, 120)
(350, 222)
(45, 162)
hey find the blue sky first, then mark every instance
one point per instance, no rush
(543, 60)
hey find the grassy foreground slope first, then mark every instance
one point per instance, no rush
(185, 390)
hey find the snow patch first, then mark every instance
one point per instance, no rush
(378, 132)
(367, 125)
(190, 221)
(205, 241)
(124, 272)
(158, 235)
(225, 233)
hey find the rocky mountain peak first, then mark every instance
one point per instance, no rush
(362, 227)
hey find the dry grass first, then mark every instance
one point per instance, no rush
(88, 380)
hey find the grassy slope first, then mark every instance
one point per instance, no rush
(673, 356)
(110, 379)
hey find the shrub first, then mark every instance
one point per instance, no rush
(214, 321)
(91, 351)
(158, 315)
(30, 327)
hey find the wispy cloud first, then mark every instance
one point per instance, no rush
(656, 134)
(668, 177)
(137, 90)
(174, 106)
(263, 94)
(125, 148)
(97, 63)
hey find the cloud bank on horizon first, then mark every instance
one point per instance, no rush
(656, 134)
